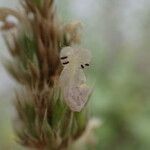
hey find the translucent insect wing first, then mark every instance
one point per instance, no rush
(72, 76)
(84, 56)
(77, 97)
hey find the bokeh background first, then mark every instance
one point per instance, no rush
(118, 34)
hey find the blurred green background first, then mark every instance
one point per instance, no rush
(118, 33)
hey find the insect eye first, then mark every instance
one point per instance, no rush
(82, 66)
(87, 65)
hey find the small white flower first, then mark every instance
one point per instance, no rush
(12, 19)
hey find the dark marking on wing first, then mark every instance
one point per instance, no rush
(82, 66)
(87, 64)
(65, 57)
(65, 63)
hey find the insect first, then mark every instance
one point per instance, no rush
(72, 78)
